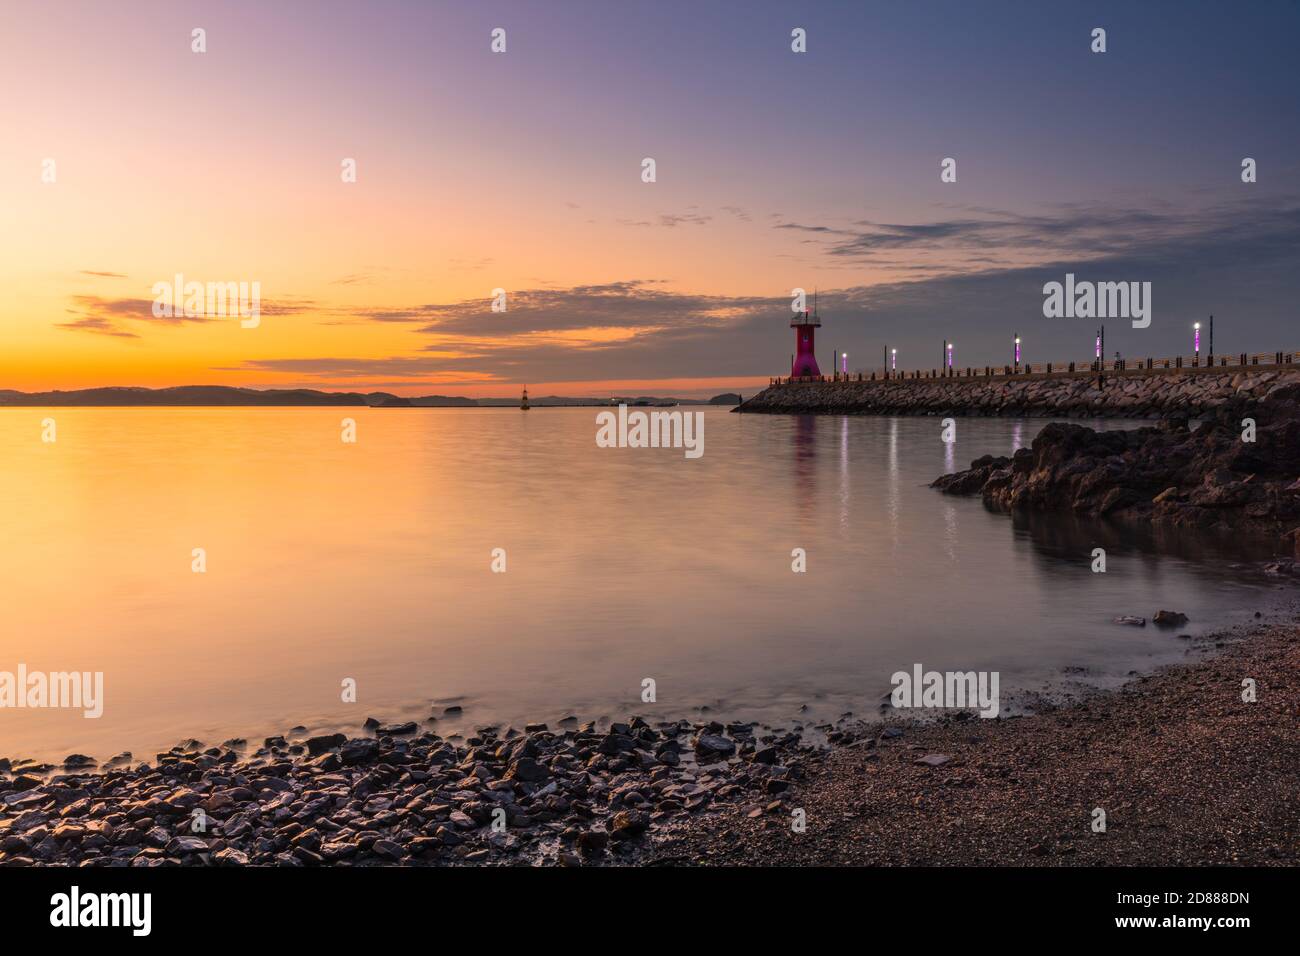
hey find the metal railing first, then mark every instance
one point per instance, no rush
(1185, 363)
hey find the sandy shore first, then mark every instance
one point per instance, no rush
(1185, 770)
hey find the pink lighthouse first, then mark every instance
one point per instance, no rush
(805, 333)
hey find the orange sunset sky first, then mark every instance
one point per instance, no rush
(522, 171)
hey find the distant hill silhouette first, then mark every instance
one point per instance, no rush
(227, 395)
(193, 395)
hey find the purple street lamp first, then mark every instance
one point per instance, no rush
(1017, 353)
(844, 359)
(1196, 339)
(1098, 345)
(893, 360)
(950, 358)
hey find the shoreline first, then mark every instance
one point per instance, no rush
(813, 715)
(1014, 789)
(1186, 771)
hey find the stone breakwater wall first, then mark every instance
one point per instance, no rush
(1129, 394)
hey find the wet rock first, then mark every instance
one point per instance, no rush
(69, 831)
(388, 850)
(1201, 478)
(713, 747)
(1169, 619)
(593, 841)
(615, 743)
(628, 824)
(358, 751)
(15, 844)
(319, 745)
(328, 800)
(529, 770)
(187, 844)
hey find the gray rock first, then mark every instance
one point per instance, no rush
(713, 747)
(932, 760)
(358, 751)
(528, 770)
(388, 850)
(187, 844)
(318, 745)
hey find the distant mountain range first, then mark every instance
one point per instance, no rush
(226, 395)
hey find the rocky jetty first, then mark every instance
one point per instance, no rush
(576, 796)
(1129, 394)
(1204, 477)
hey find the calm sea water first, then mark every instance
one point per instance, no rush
(372, 561)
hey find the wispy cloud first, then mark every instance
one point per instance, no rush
(98, 325)
(107, 315)
(671, 220)
(398, 367)
(990, 238)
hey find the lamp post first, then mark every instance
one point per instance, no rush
(893, 360)
(844, 360)
(949, 344)
(1017, 354)
(1211, 339)
(1196, 343)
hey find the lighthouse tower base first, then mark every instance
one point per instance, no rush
(805, 342)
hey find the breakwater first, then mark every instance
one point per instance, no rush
(1136, 393)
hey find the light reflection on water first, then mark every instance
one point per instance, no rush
(372, 561)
